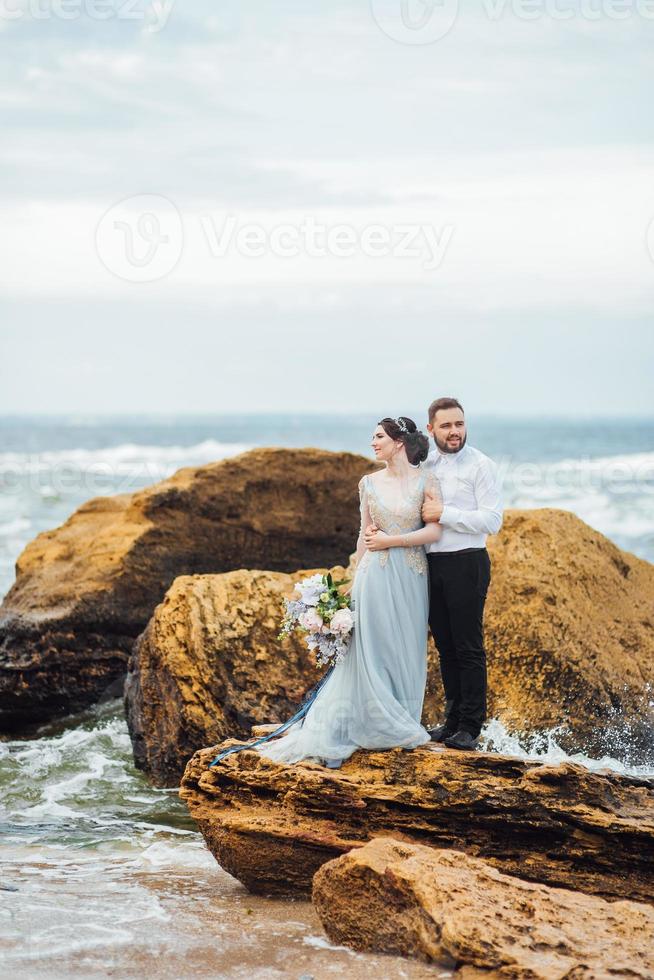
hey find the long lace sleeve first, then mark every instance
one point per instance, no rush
(366, 519)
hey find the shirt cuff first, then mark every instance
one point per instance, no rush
(450, 515)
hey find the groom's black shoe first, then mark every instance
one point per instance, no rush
(462, 740)
(440, 733)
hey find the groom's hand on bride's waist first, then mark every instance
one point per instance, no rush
(374, 538)
(369, 534)
(432, 509)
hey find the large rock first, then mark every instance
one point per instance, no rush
(544, 635)
(570, 635)
(209, 665)
(85, 590)
(272, 826)
(447, 907)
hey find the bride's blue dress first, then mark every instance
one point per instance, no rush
(373, 698)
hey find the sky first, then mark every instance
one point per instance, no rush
(276, 206)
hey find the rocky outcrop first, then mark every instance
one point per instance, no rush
(272, 826)
(456, 910)
(209, 665)
(547, 660)
(569, 622)
(85, 590)
(570, 635)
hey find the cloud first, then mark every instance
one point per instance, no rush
(531, 140)
(525, 230)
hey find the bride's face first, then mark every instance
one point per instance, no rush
(383, 446)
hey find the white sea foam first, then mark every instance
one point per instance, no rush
(613, 494)
(319, 942)
(77, 777)
(14, 527)
(621, 463)
(618, 468)
(103, 862)
(129, 456)
(54, 475)
(191, 855)
(545, 747)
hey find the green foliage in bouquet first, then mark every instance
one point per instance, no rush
(331, 600)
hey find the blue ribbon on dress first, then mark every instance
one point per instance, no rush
(299, 714)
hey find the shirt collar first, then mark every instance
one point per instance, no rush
(447, 456)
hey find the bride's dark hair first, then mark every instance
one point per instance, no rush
(415, 441)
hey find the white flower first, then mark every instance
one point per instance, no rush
(342, 621)
(311, 621)
(310, 589)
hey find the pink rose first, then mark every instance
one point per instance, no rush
(342, 622)
(311, 621)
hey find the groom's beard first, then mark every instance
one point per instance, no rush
(451, 447)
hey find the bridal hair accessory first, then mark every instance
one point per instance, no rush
(401, 424)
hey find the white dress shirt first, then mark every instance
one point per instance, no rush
(471, 496)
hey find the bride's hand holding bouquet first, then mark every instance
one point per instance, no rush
(324, 614)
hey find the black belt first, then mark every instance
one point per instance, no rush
(448, 554)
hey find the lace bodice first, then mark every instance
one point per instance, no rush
(401, 517)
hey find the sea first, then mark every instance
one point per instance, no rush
(102, 875)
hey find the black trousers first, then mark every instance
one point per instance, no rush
(458, 583)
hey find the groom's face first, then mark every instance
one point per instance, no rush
(448, 427)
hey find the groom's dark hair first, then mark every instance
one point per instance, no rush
(439, 403)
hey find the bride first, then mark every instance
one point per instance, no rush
(373, 698)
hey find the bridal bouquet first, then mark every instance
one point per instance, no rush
(324, 614)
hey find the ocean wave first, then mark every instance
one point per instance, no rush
(40, 485)
(624, 474)
(101, 862)
(630, 461)
(188, 855)
(125, 458)
(15, 527)
(613, 494)
(82, 783)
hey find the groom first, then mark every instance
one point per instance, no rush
(460, 570)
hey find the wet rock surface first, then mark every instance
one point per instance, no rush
(456, 910)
